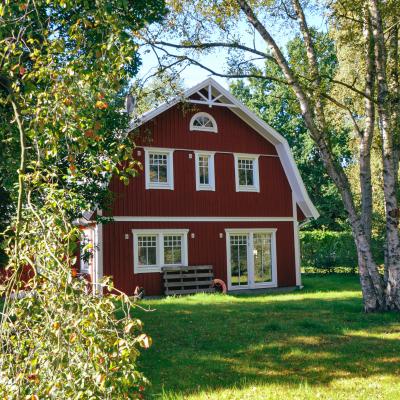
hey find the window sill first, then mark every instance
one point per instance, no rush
(155, 269)
(252, 189)
(164, 187)
(147, 270)
(205, 189)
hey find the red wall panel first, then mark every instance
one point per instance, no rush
(171, 130)
(205, 248)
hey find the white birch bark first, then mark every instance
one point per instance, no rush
(389, 176)
(372, 286)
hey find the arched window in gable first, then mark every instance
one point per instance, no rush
(203, 122)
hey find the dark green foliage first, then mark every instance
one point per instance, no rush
(331, 251)
(276, 104)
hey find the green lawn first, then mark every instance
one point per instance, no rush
(310, 344)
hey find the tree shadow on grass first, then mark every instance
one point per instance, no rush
(200, 346)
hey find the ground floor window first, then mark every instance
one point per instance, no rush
(154, 249)
(251, 257)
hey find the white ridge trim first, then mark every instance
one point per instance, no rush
(200, 219)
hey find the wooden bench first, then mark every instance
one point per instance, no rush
(188, 280)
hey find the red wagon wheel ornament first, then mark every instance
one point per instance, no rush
(220, 285)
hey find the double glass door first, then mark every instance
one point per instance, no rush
(251, 259)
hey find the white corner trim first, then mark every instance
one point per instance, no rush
(169, 185)
(214, 128)
(211, 170)
(256, 175)
(296, 240)
(199, 219)
(295, 180)
(159, 233)
(98, 258)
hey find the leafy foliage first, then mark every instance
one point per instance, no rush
(65, 68)
(276, 104)
(329, 250)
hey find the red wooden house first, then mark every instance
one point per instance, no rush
(219, 187)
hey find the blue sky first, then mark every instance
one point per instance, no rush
(216, 61)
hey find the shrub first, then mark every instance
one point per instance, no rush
(331, 251)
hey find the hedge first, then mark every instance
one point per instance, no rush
(331, 251)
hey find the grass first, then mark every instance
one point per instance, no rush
(310, 344)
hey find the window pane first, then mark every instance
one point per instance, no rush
(249, 178)
(173, 249)
(153, 173)
(147, 250)
(238, 244)
(246, 172)
(204, 170)
(262, 257)
(242, 177)
(162, 174)
(158, 168)
(204, 122)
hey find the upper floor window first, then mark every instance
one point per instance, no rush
(203, 122)
(159, 169)
(246, 173)
(205, 177)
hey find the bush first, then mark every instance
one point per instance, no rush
(331, 251)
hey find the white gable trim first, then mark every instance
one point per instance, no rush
(296, 183)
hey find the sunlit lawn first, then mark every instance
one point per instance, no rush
(310, 344)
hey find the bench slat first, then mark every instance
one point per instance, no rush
(189, 291)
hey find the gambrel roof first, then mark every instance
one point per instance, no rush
(211, 93)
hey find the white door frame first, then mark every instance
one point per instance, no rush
(250, 259)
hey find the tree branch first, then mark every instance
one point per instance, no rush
(204, 46)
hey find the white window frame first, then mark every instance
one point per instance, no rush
(87, 235)
(256, 179)
(160, 233)
(250, 258)
(169, 185)
(211, 171)
(214, 128)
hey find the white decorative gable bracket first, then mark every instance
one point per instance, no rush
(210, 100)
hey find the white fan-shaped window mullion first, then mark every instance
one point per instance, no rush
(203, 122)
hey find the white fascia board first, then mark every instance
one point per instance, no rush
(285, 154)
(296, 182)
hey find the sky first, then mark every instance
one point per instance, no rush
(216, 61)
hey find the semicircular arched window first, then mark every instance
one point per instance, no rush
(203, 122)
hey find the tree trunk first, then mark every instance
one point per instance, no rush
(366, 136)
(371, 283)
(389, 176)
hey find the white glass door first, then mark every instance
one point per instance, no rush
(239, 259)
(251, 259)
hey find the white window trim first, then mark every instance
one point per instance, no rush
(169, 185)
(250, 260)
(211, 171)
(214, 128)
(256, 178)
(85, 265)
(159, 250)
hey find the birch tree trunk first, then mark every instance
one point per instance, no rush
(366, 136)
(371, 281)
(392, 265)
